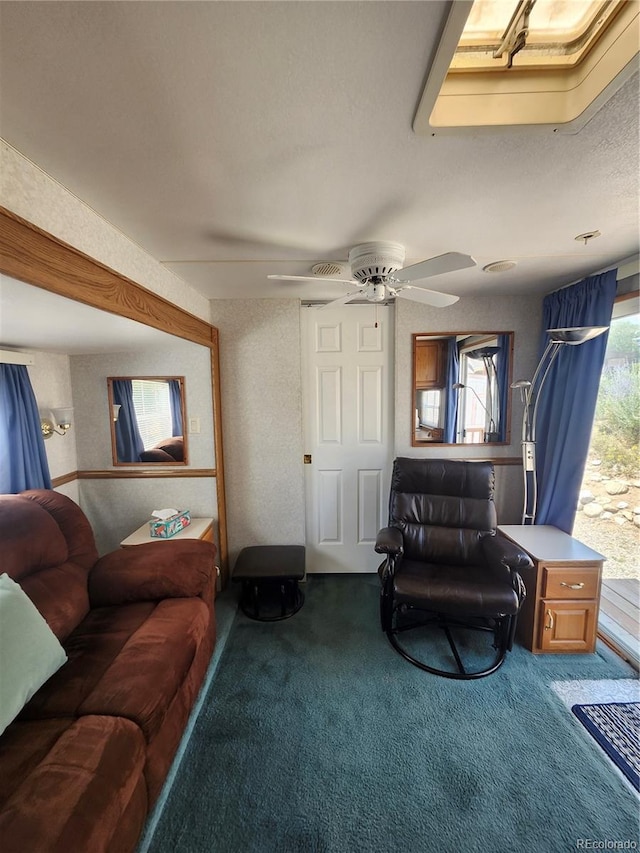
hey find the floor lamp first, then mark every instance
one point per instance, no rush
(492, 434)
(487, 354)
(530, 395)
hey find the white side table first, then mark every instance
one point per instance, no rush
(200, 528)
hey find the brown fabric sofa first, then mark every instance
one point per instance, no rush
(169, 450)
(85, 760)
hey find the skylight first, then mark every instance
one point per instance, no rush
(542, 32)
(528, 62)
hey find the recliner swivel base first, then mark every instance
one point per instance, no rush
(501, 628)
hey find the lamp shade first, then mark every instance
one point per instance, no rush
(576, 335)
(483, 352)
(62, 416)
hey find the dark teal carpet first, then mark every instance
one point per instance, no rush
(316, 737)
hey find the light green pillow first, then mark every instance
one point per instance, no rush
(29, 650)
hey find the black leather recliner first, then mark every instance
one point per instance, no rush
(446, 566)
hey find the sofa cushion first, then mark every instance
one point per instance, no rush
(180, 568)
(127, 661)
(36, 554)
(72, 785)
(29, 651)
(73, 523)
(173, 446)
(31, 539)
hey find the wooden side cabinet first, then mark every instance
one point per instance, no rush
(429, 364)
(560, 612)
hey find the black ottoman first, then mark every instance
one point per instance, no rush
(269, 575)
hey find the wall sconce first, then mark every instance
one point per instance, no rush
(61, 420)
(115, 411)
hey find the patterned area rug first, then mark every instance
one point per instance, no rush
(616, 727)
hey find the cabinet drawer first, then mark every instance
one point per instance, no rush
(581, 582)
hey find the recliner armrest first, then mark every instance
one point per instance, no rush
(153, 571)
(389, 541)
(499, 549)
(502, 551)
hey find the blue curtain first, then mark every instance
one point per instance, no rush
(175, 400)
(23, 459)
(451, 394)
(502, 380)
(129, 444)
(568, 401)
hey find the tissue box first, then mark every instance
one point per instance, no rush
(168, 527)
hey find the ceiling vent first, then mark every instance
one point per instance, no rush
(328, 268)
(499, 266)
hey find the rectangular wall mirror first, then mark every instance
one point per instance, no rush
(461, 388)
(148, 420)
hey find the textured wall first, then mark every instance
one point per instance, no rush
(261, 420)
(519, 314)
(51, 381)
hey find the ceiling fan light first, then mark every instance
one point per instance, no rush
(376, 292)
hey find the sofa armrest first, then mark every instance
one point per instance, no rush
(153, 571)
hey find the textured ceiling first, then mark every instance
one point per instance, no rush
(236, 139)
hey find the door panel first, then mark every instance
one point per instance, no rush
(347, 377)
(329, 391)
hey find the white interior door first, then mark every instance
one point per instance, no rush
(348, 391)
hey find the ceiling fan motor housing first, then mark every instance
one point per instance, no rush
(378, 260)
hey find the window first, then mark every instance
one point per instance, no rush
(153, 410)
(478, 406)
(473, 411)
(610, 496)
(429, 408)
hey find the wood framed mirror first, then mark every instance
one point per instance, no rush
(36, 257)
(461, 385)
(148, 420)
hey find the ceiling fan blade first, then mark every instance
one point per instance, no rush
(449, 262)
(317, 278)
(341, 300)
(429, 297)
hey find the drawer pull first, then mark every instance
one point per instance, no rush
(572, 585)
(549, 624)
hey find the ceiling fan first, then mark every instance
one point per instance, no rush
(378, 274)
